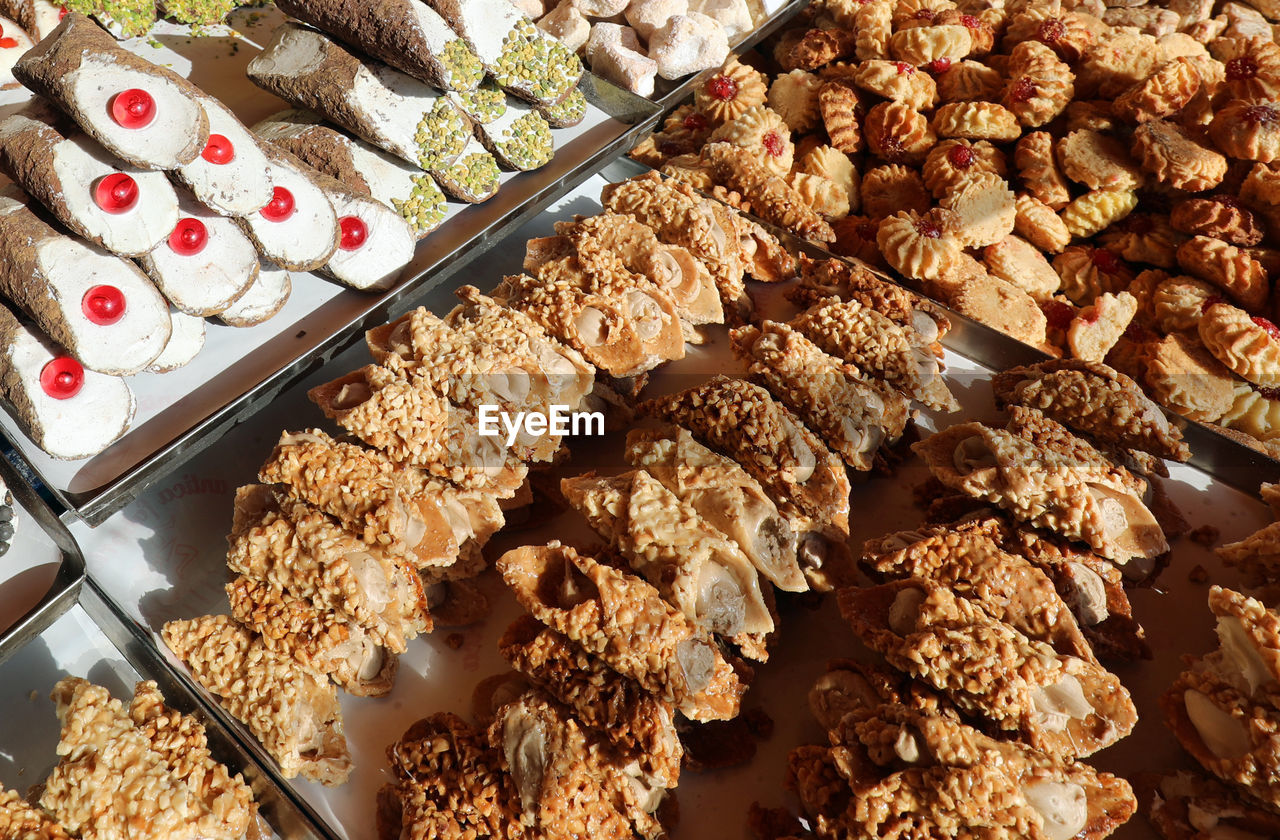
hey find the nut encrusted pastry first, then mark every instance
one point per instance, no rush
(18, 819)
(854, 416)
(1257, 554)
(771, 197)
(639, 725)
(746, 423)
(623, 620)
(1063, 705)
(1045, 490)
(695, 568)
(1183, 802)
(878, 347)
(1096, 400)
(292, 711)
(726, 498)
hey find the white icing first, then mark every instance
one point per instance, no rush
(71, 268)
(235, 188)
(78, 163)
(295, 52)
(386, 250)
(207, 282)
(186, 340)
(395, 103)
(435, 31)
(485, 24)
(9, 55)
(307, 237)
(73, 428)
(264, 298)
(166, 142)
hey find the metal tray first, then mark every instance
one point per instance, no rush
(241, 370)
(42, 572)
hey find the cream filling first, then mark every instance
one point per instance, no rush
(925, 327)
(165, 142)
(387, 249)
(806, 460)
(305, 735)
(697, 660)
(836, 693)
(1054, 706)
(1202, 820)
(721, 604)
(435, 32)
(238, 187)
(371, 579)
(48, 16)
(1090, 595)
(592, 326)
(907, 747)
(904, 611)
(646, 314)
(560, 372)
(1126, 523)
(513, 385)
(351, 395)
(1239, 650)
(524, 743)
(78, 163)
(394, 103)
(458, 518)
(185, 341)
(210, 281)
(308, 235)
(263, 299)
(1221, 733)
(296, 52)
(387, 178)
(973, 454)
(73, 428)
(72, 268)
(1063, 807)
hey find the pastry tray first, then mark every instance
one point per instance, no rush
(42, 572)
(163, 558)
(241, 370)
(91, 640)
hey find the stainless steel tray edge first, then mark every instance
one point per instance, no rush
(68, 580)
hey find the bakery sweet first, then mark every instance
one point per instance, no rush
(230, 174)
(186, 340)
(298, 228)
(13, 43)
(266, 296)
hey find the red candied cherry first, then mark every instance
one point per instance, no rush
(1058, 314)
(904, 69)
(62, 378)
(1105, 261)
(1024, 90)
(928, 229)
(939, 65)
(133, 108)
(1212, 300)
(280, 207)
(189, 237)
(695, 122)
(1261, 115)
(1271, 328)
(723, 88)
(218, 150)
(354, 233)
(6, 42)
(1239, 69)
(103, 305)
(970, 22)
(62, 12)
(1051, 31)
(116, 193)
(961, 157)
(774, 143)
(925, 14)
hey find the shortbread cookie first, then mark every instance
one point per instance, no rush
(1144, 238)
(899, 81)
(1001, 305)
(842, 115)
(121, 208)
(921, 247)
(984, 208)
(1097, 210)
(1248, 345)
(103, 310)
(407, 34)
(1098, 161)
(1040, 85)
(1253, 412)
(186, 340)
(1036, 222)
(1162, 94)
(230, 174)
(263, 299)
(1177, 303)
(1015, 260)
(976, 121)
(142, 113)
(891, 189)
(1099, 325)
(298, 229)
(1038, 168)
(1232, 269)
(1185, 376)
(205, 264)
(952, 162)
(899, 133)
(1218, 216)
(66, 410)
(1247, 130)
(726, 95)
(762, 131)
(969, 81)
(1174, 158)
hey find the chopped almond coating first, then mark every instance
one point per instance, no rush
(772, 198)
(448, 771)
(747, 424)
(566, 376)
(845, 280)
(853, 416)
(852, 687)
(414, 425)
(1257, 554)
(180, 740)
(1249, 636)
(725, 496)
(292, 711)
(1183, 802)
(19, 820)
(1045, 490)
(680, 216)
(814, 776)
(695, 568)
(623, 620)
(1092, 398)
(321, 640)
(1049, 435)
(568, 782)
(1010, 589)
(638, 724)
(878, 347)
(109, 782)
(1070, 800)
(303, 552)
(1062, 705)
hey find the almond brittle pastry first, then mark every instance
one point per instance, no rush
(773, 199)
(1045, 490)
(1258, 554)
(291, 710)
(623, 620)
(1063, 705)
(1185, 805)
(19, 819)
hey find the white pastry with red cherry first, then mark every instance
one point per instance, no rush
(205, 263)
(185, 341)
(37, 17)
(230, 173)
(102, 309)
(298, 228)
(265, 298)
(66, 410)
(13, 43)
(119, 207)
